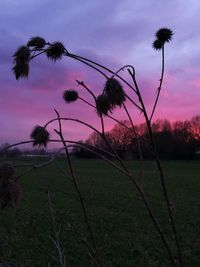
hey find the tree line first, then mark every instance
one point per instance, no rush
(174, 140)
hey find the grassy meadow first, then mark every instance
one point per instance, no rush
(123, 230)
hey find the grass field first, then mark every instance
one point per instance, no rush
(124, 232)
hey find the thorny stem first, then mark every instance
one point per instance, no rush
(148, 207)
(86, 87)
(99, 65)
(95, 99)
(93, 65)
(75, 182)
(109, 116)
(162, 178)
(138, 145)
(94, 129)
(152, 216)
(120, 69)
(86, 63)
(160, 85)
(131, 100)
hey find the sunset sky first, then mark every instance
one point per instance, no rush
(112, 32)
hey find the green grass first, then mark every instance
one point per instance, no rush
(124, 232)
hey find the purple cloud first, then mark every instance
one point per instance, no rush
(113, 33)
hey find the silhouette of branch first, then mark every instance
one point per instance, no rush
(160, 170)
(160, 85)
(76, 185)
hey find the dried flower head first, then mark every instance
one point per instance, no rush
(103, 105)
(22, 54)
(37, 42)
(40, 136)
(164, 35)
(55, 51)
(115, 92)
(6, 171)
(157, 44)
(21, 59)
(9, 193)
(21, 70)
(70, 96)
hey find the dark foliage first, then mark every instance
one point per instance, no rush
(178, 140)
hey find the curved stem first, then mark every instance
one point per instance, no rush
(160, 85)
(109, 116)
(87, 89)
(101, 66)
(162, 178)
(130, 99)
(88, 64)
(76, 185)
(95, 99)
(138, 144)
(122, 68)
(16, 144)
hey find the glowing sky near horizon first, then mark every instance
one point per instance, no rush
(112, 32)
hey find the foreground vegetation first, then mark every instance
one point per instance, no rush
(124, 233)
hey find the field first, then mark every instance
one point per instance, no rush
(124, 232)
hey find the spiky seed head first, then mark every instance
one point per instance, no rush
(115, 92)
(164, 35)
(21, 60)
(21, 70)
(103, 105)
(6, 171)
(40, 136)
(157, 44)
(37, 42)
(55, 51)
(70, 96)
(22, 54)
(9, 193)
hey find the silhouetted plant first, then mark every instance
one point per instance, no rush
(70, 96)
(40, 136)
(112, 95)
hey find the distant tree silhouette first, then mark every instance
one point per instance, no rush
(178, 140)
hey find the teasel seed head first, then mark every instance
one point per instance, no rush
(22, 54)
(157, 44)
(40, 136)
(55, 51)
(103, 105)
(115, 92)
(70, 96)
(37, 42)
(21, 70)
(21, 60)
(164, 35)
